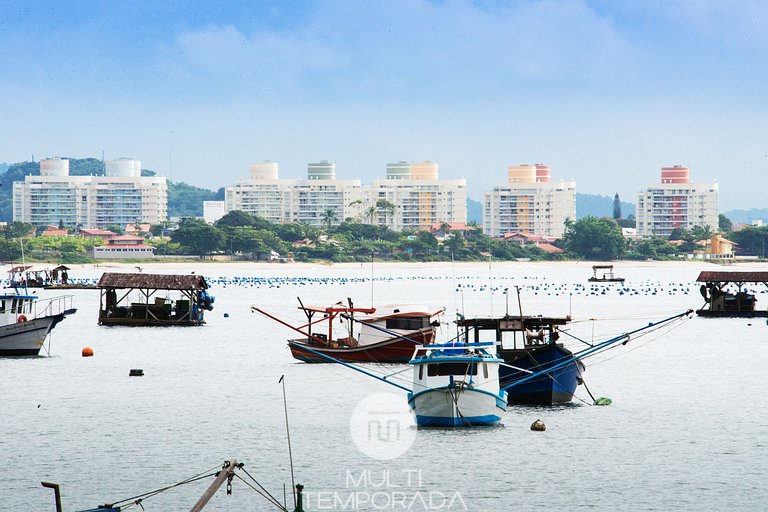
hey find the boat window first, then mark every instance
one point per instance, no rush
(444, 369)
(408, 323)
(485, 370)
(421, 371)
(13, 306)
(2, 306)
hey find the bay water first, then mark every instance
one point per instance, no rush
(687, 429)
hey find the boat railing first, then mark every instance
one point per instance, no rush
(52, 306)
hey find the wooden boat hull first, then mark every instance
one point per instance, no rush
(27, 338)
(456, 407)
(613, 280)
(392, 350)
(553, 388)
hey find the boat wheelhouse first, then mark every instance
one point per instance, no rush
(528, 344)
(456, 385)
(726, 294)
(26, 322)
(387, 334)
(135, 299)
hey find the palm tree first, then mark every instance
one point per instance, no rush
(370, 212)
(328, 217)
(358, 203)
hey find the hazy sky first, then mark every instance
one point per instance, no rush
(606, 92)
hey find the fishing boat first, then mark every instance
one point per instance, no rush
(604, 274)
(26, 322)
(383, 335)
(528, 344)
(456, 385)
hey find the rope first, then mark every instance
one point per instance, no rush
(265, 494)
(140, 497)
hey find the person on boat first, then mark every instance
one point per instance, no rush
(64, 277)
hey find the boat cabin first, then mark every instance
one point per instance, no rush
(153, 299)
(513, 334)
(604, 274)
(437, 366)
(726, 294)
(366, 326)
(16, 308)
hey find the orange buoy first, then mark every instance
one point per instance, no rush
(87, 352)
(22, 318)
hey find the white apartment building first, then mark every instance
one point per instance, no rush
(420, 198)
(120, 197)
(529, 202)
(267, 196)
(676, 203)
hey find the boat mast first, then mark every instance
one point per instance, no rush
(227, 472)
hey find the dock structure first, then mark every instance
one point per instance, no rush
(604, 274)
(133, 299)
(722, 302)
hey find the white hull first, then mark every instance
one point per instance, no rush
(26, 338)
(456, 407)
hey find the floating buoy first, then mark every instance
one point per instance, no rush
(87, 352)
(226, 315)
(602, 400)
(136, 372)
(538, 426)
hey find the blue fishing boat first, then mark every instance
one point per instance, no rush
(528, 345)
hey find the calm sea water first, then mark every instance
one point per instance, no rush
(687, 430)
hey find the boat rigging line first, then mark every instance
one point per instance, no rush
(288, 434)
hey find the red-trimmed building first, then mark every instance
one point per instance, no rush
(97, 233)
(124, 246)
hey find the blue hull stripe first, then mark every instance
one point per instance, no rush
(487, 420)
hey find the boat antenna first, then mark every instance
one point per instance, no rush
(371, 278)
(288, 433)
(490, 277)
(506, 301)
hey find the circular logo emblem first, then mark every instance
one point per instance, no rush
(382, 427)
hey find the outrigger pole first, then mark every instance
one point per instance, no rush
(353, 367)
(308, 335)
(600, 346)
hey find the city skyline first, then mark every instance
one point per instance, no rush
(594, 89)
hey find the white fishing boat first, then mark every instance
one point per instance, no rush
(456, 385)
(26, 322)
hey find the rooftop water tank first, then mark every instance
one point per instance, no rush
(675, 174)
(123, 168)
(322, 170)
(399, 171)
(424, 171)
(54, 167)
(264, 171)
(521, 174)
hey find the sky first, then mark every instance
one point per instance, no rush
(605, 92)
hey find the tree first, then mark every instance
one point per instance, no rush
(328, 217)
(198, 237)
(235, 218)
(702, 232)
(593, 238)
(616, 207)
(724, 223)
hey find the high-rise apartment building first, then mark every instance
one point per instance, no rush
(278, 200)
(529, 202)
(123, 196)
(676, 202)
(420, 199)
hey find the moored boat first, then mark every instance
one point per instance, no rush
(456, 385)
(26, 322)
(604, 274)
(386, 334)
(528, 345)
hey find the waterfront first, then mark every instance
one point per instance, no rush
(685, 432)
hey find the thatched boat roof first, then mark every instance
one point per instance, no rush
(153, 281)
(732, 277)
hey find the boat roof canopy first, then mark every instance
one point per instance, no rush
(153, 281)
(732, 277)
(602, 267)
(337, 308)
(530, 321)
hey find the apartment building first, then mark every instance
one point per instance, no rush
(123, 196)
(676, 202)
(420, 199)
(308, 200)
(529, 202)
